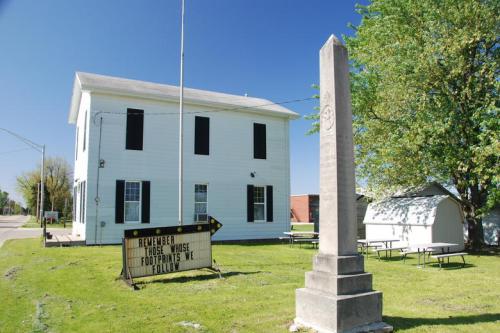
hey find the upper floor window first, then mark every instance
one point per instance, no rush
(259, 141)
(201, 135)
(135, 129)
(200, 202)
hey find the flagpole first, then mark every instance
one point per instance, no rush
(181, 120)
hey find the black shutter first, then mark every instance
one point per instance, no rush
(201, 135)
(269, 203)
(259, 141)
(135, 129)
(146, 189)
(119, 200)
(250, 217)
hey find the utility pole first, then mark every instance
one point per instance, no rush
(181, 120)
(42, 194)
(41, 149)
(37, 203)
(64, 213)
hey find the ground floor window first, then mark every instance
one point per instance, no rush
(200, 202)
(259, 203)
(83, 189)
(132, 201)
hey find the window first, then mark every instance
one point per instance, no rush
(200, 203)
(201, 135)
(259, 141)
(74, 203)
(135, 129)
(85, 131)
(132, 201)
(82, 214)
(259, 203)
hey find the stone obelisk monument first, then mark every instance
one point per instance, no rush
(338, 296)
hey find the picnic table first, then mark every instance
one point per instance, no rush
(428, 248)
(367, 243)
(301, 236)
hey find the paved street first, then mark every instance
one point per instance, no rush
(10, 228)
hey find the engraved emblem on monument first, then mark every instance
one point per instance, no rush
(326, 114)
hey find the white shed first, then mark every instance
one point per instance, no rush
(491, 226)
(416, 220)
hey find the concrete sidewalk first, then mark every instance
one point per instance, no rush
(10, 228)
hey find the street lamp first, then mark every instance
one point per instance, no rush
(40, 149)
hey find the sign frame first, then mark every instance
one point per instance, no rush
(210, 227)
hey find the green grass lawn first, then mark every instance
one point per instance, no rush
(78, 290)
(32, 223)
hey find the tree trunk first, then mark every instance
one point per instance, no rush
(475, 232)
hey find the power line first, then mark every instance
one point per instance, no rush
(13, 151)
(23, 139)
(212, 110)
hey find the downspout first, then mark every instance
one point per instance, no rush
(97, 200)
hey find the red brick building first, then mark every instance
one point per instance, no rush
(304, 208)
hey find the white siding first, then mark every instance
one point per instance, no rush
(81, 162)
(491, 226)
(416, 220)
(407, 234)
(448, 227)
(226, 170)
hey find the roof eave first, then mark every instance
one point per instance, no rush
(75, 100)
(169, 98)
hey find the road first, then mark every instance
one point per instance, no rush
(10, 228)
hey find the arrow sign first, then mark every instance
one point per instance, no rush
(214, 225)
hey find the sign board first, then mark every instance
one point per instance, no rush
(51, 215)
(163, 250)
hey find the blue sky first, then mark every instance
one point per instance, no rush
(266, 48)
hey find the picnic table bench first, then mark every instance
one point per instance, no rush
(386, 249)
(301, 237)
(375, 243)
(429, 248)
(441, 257)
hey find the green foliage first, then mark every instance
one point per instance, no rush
(4, 199)
(425, 97)
(57, 186)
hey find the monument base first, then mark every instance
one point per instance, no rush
(339, 298)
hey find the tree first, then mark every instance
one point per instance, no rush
(4, 200)
(57, 185)
(424, 82)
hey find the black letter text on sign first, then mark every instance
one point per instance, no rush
(154, 251)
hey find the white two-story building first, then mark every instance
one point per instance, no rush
(236, 160)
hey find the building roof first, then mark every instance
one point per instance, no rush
(142, 89)
(405, 210)
(431, 188)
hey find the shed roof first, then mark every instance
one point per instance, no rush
(142, 89)
(406, 210)
(431, 188)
